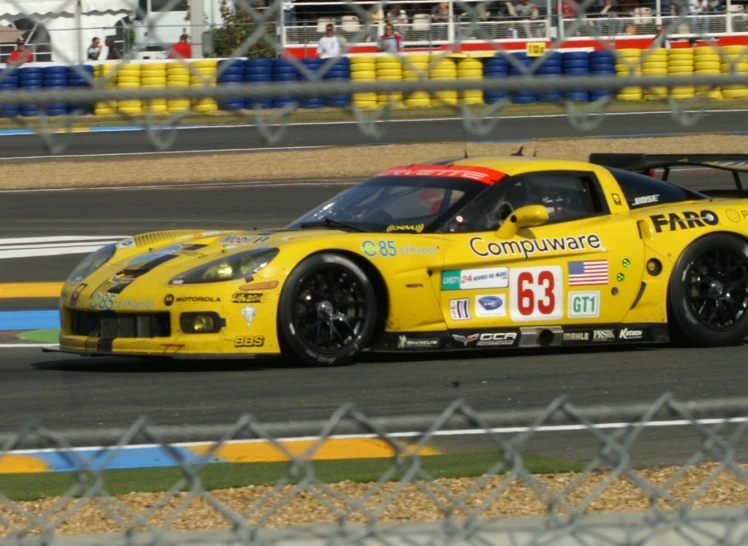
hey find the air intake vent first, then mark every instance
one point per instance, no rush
(155, 237)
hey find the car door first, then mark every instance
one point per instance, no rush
(583, 266)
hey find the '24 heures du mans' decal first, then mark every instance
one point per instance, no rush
(528, 247)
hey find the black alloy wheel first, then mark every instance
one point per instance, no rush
(328, 311)
(709, 292)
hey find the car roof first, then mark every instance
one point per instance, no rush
(514, 165)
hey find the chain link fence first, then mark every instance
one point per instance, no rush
(466, 60)
(460, 477)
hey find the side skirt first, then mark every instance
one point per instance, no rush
(524, 337)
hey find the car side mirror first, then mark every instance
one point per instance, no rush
(523, 217)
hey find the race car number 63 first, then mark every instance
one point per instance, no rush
(536, 293)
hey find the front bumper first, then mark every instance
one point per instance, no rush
(159, 333)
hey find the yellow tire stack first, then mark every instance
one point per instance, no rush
(364, 69)
(128, 78)
(738, 55)
(628, 64)
(106, 74)
(470, 69)
(416, 67)
(153, 76)
(707, 62)
(680, 64)
(389, 69)
(204, 75)
(443, 68)
(177, 76)
(654, 64)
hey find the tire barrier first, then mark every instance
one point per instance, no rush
(702, 60)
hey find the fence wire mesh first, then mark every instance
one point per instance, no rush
(460, 477)
(686, 79)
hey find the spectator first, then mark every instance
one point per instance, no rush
(610, 27)
(94, 50)
(440, 13)
(182, 49)
(329, 45)
(698, 9)
(390, 41)
(524, 9)
(398, 18)
(289, 13)
(660, 39)
(114, 53)
(440, 16)
(21, 55)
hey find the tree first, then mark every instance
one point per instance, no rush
(238, 26)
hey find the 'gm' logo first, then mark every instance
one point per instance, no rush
(369, 248)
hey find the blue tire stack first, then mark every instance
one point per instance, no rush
(340, 71)
(284, 71)
(9, 82)
(314, 101)
(258, 72)
(521, 97)
(495, 67)
(577, 64)
(602, 63)
(31, 79)
(231, 72)
(56, 77)
(551, 67)
(77, 80)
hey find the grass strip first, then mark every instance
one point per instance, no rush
(29, 487)
(335, 114)
(50, 335)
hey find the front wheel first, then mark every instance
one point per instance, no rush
(709, 292)
(328, 311)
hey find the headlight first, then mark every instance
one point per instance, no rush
(92, 263)
(231, 268)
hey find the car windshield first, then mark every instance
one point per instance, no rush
(415, 204)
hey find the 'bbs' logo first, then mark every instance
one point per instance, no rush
(249, 341)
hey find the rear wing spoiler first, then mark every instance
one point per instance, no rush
(734, 163)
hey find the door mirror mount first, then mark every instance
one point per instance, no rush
(523, 217)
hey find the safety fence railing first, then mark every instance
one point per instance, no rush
(619, 475)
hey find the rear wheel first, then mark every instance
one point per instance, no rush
(709, 292)
(328, 311)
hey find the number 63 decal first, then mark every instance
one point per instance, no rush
(536, 293)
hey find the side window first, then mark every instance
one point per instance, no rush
(643, 191)
(565, 195)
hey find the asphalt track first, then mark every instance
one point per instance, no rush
(63, 391)
(337, 133)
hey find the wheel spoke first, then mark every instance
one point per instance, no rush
(330, 310)
(718, 288)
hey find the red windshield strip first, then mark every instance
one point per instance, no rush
(478, 174)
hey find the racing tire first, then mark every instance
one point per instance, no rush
(327, 312)
(708, 293)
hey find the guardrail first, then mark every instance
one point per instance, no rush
(468, 473)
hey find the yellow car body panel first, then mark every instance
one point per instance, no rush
(433, 281)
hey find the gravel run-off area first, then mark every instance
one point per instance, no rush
(493, 497)
(351, 162)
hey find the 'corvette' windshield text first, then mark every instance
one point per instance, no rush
(528, 247)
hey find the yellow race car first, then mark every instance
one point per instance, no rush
(484, 253)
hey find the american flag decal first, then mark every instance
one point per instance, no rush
(588, 272)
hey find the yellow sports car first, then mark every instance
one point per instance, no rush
(484, 253)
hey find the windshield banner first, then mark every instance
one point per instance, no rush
(479, 174)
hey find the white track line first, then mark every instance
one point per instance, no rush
(166, 152)
(59, 239)
(26, 345)
(437, 434)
